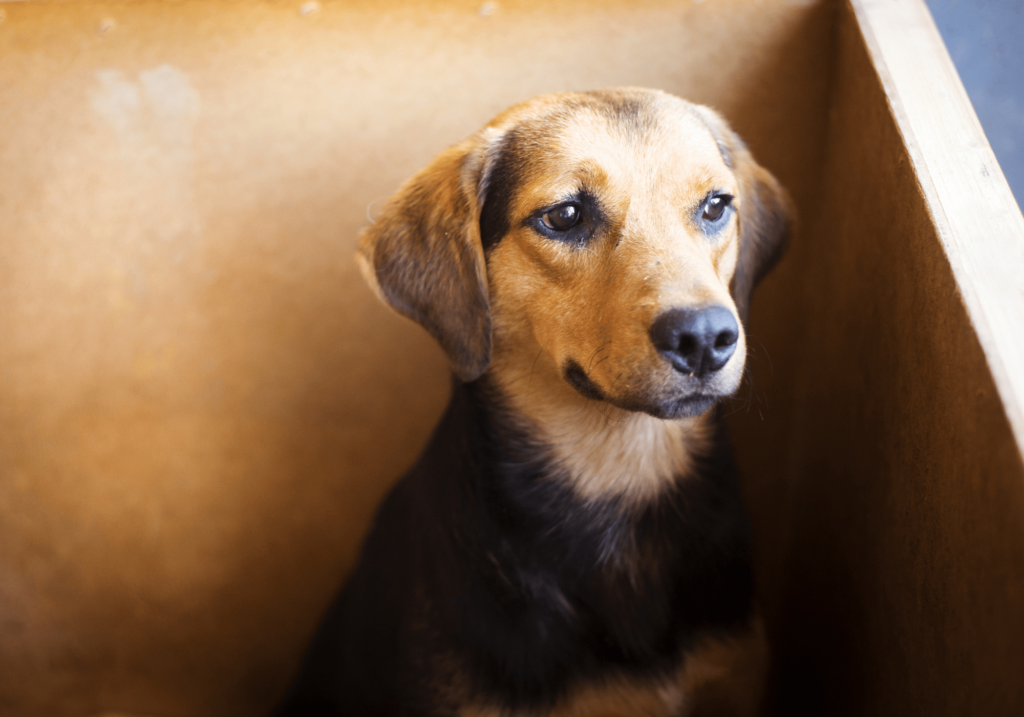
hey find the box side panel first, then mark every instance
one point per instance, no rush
(900, 585)
(200, 401)
(979, 223)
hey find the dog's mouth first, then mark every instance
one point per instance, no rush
(689, 406)
(576, 377)
(692, 404)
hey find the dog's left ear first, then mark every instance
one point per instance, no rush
(423, 256)
(766, 213)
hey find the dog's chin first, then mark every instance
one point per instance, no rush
(689, 406)
(668, 404)
(686, 407)
(675, 407)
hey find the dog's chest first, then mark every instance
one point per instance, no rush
(719, 676)
(620, 698)
(560, 605)
(606, 611)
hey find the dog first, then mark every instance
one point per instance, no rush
(572, 541)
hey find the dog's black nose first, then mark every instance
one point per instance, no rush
(696, 341)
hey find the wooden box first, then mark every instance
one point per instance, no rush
(201, 402)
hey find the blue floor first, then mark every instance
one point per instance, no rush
(985, 38)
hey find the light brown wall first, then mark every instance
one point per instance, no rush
(200, 402)
(888, 493)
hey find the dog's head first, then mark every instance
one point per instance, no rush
(615, 236)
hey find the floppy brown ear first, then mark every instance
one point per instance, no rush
(423, 256)
(766, 213)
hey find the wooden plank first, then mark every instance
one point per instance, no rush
(901, 481)
(971, 205)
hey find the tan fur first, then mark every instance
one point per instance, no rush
(605, 451)
(423, 256)
(595, 306)
(603, 299)
(726, 676)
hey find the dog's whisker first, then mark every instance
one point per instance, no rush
(533, 366)
(598, 350)
(771, 368)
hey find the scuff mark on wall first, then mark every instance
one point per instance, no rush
(153, 120)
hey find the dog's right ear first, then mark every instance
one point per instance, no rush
(423, 256)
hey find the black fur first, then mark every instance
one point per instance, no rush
(576, 377)
(500, 187)
(484, 567)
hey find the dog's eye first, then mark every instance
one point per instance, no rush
(562, 217)
(715, 207)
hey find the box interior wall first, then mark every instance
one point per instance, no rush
(201, 402)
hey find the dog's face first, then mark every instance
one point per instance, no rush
(617, 234)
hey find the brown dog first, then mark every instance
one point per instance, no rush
(572, 541)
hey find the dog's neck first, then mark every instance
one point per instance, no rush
(605, 452)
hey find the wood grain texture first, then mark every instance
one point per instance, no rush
(969, 201)
(886, 483)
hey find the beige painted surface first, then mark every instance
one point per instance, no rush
(200, 402)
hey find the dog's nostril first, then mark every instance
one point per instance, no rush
(696, 341)
(725, 339)
(687, 344)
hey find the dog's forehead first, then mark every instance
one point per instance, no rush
(629, 144)
(654, 135)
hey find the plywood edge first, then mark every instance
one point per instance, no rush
(971, 206)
